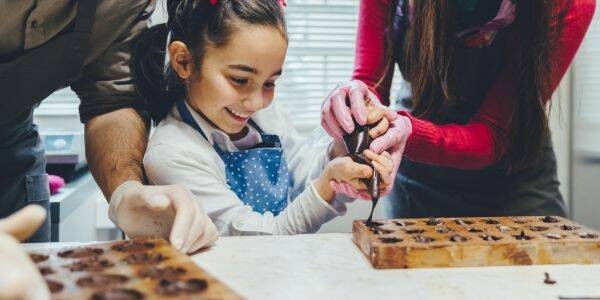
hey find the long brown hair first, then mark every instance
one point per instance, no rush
(427, 55)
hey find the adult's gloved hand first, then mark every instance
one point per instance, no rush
(20, 279)
(167, 211)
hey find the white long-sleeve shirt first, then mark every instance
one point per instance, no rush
(178, 154)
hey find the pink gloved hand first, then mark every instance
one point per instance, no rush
(393, 141)
(336, 116)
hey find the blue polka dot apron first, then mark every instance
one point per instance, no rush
(259, 176)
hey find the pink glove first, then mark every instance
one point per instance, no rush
(393, 141)
(336, 116)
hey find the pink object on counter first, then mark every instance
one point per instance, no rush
(56, 183)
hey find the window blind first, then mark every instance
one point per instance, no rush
(587, 75)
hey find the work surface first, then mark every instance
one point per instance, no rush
(330, 266)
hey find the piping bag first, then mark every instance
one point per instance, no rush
(357, 142)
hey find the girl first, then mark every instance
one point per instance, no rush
(474, 134)
(218, 132)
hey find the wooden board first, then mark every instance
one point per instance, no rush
(471, 242)
(148, 268)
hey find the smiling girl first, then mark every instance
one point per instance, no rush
(219, 132)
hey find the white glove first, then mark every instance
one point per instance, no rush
(167, 211)
(20, 279)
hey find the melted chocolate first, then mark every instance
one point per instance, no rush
(522, 236)
(374, 223)
(159, 273)
(539, 228)
(475, 230)
(90, 264)
(101, 280)
(54, 286)
(457, 238)
(46, 270)
(550, 219)
(547, 279)
(80, 253)
(167, 287)
(38, 257)
(462, 222)
(390, 240)
(519, 221)
(133, 246)
(587, 235)
(433, 221)
(414, 230)
(569, 227)
(443, 229)
(403, 224)
(489, 237)
(118, 294)
(423, 239)
(490, 221)
(144, 258)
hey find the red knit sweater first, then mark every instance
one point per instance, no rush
(483, 140)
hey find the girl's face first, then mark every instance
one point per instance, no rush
(237, 80)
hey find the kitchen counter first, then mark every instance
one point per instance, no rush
(330, 266)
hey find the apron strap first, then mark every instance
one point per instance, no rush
(187, 117)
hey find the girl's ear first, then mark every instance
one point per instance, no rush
(180, 59)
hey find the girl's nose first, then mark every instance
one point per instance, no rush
(255, 102)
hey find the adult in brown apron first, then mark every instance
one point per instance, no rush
(25, 81)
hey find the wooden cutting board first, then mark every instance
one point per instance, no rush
(472, 242)
(147, 268)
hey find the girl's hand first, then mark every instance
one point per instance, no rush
(341, 169)
(384, 164)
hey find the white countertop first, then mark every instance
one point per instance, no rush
(330, 266)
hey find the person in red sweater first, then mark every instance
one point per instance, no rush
(473, 140)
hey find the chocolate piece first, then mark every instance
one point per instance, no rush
(90, 264)
(80, 253)
(462, 222)
(118, 294)
(54, 286)
(378, 231)
(414, 230)
(423, 239)
(133, 246)
(390, 240)
(489, 237)
(519, 221)
(402, 223)
(550, 219)
(101, 280)
(144, 258)
(158, 273)
(46, 270)
(38, 257)
(539, 228)
(569, 227)
(473, 229)
(433, 221)
(587, 235)
(443, 229)
(373, 223)
(457, 238)
(553, 236)
(167, 287)
(547, 279)
(505, 229)
(490, 221)
(522, 236)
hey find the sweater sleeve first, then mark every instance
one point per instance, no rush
(483, 140)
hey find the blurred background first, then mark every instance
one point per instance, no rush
(321, 55)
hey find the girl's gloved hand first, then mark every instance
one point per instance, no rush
(20, 279)
(167, 211)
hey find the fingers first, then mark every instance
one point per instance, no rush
(358, 94)
(184, 216)
(384, 173)
(376, 113)
(385, 159)
(207, 239)
(331, 125)
(158, 202)
(380, 129)
(341, 112)
(23, 223)
(383, 142)
(195, 232)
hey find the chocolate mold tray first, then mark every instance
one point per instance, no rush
(146, 268)
(476, 241)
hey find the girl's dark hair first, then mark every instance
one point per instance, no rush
(197, 23)
(428, 50)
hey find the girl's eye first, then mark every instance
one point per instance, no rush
(239, 81)
(270, 85)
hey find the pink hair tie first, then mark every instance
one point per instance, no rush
(283, 3)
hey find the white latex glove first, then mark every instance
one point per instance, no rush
(167, 211)
(20, 279)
